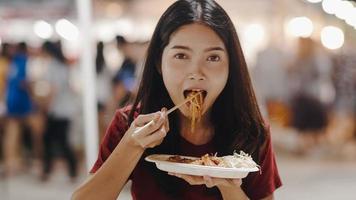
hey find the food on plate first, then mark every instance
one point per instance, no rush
(179, 159)
(237, 160)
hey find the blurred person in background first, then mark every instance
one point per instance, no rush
(140, 49)
(310, 92)
(124, 83)
(270, 76)
(131, 68)
(342, 130)
(121, 96)
(103, 86)
(60, 111)
(5, 60)
(19, 108)
(33, 134)
(127, 71)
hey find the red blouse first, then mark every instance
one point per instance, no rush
(144, 186)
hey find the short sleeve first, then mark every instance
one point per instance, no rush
(113, 136)
(260, 185)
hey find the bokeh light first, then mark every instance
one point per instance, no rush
(300, 27)
(67, 30)
(332, 37)
(43, 29)
(255, 33)
(329, 6)
(344, 9)
(314, 1)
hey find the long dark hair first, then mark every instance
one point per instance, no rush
(235, 114)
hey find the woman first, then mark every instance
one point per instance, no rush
(194, 47)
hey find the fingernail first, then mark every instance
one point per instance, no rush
(163, 111)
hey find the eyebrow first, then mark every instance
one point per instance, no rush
(214, 49)
(217, 48)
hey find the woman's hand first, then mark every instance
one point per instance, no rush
(209, 181)
(148, 131)
(230, 188)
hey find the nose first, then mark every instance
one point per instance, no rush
(196, 77)
(196, 70)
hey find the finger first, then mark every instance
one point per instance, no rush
(227, 182)
(150, 127)
(180, 176)
(164, 110)
(154, 144)
(208, 181)
(166, 125)
(237, 181)
(230, 182)
(155, 137)
(221, 182)
(186, 179)
(164, 114)
(192, 180)
(141, 120)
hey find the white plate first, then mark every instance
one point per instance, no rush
(198, 170)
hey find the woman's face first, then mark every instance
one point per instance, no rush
(195, 59)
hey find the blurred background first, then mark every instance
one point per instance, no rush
(66, 66)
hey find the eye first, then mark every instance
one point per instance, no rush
(214, 58)
(180, 56)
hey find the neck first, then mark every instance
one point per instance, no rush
(203, 132)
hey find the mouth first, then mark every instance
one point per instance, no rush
(186, 93)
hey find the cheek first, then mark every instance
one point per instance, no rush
(172, 73)
(171, 78)
(226, 75)
(219, 78)
(172, 84)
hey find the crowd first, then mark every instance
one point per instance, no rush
(310, 91)
(40, 98)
